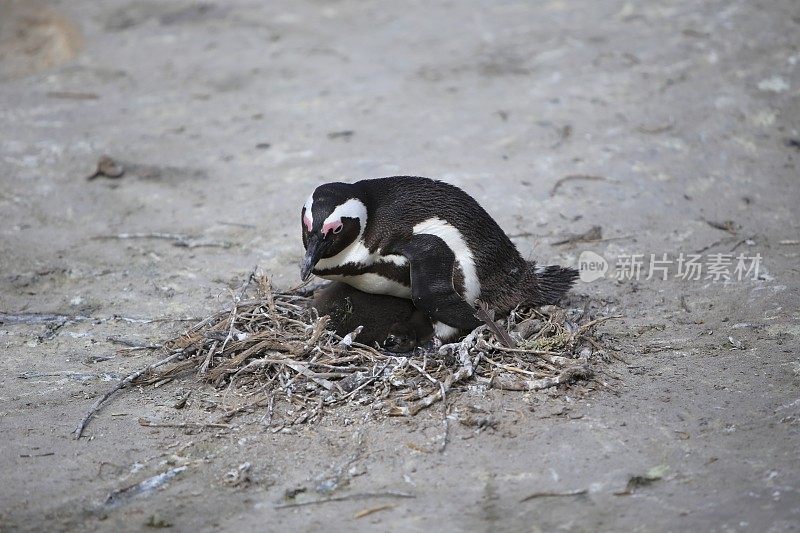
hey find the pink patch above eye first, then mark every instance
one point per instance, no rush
(307, 222)
(331, 226)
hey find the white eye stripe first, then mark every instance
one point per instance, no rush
(307, 206)
(352, 208)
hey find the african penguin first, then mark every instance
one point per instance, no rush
(392, 322)
(422, 239)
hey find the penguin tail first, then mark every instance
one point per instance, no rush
(548, 284)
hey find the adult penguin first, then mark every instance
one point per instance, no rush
(426, 240)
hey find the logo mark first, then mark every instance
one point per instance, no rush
(591, 266)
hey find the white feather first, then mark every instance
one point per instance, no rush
(307, 206)
(359, 254)
(374, 284)
(444, 332)
(352, 208)
(456, 242)
(399, 260)
(355, 253)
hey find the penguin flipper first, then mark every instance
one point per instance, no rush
(432, 291)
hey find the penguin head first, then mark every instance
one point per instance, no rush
(333, 218)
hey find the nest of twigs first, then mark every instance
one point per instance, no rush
(273, 347)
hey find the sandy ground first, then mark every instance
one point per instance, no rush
(227, 114)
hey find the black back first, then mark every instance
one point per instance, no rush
(396, 204)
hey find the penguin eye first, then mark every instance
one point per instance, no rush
(332, 227)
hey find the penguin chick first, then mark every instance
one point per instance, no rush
(426, 240)
(392, 322)
(404, 336)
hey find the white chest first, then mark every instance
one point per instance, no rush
(373, 283)
(357, 256)
(357, 253)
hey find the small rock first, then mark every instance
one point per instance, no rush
(108, 168)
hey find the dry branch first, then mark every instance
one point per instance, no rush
(271, 350)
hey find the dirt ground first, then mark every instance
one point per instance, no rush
(681, 118)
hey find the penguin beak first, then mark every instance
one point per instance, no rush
(313, 252)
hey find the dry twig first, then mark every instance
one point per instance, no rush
(273, 351)
(121, 385)
(345, 497)
(551, 494)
